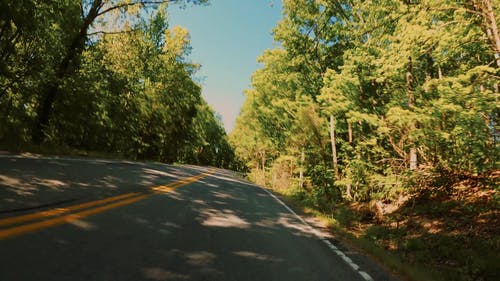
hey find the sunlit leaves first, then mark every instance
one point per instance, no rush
(177, 41)
(399, 78)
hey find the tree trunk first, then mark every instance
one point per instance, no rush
(66, 67)
(349, 186)
(409, 84)
(334, 149)
(413, 158)
(263, 161)
(495, 37)
(348, 191)
(411, 101)
(301, 172)
(492, 27)
(349, 129)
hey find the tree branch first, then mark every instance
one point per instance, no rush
(445, 9)
(131, 4)
(113, 32)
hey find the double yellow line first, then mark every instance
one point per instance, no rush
(173, 186)
(14, 226)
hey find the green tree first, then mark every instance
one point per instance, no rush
(105, 75)
(406, 86)
(88, 12)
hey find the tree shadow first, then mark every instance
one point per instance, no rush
(219, 228)
(38, 183)
(235, 231)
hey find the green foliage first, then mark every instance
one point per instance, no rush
(412, 88)
(208, 144)
(126, 89)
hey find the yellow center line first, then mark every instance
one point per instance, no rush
(171, 187)
(18, 230)
(107, 204)
(59, 211)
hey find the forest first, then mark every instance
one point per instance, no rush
(363, 98)
(389, 109)
(106, 76)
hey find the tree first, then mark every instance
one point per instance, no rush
(410, 86)
(69, 62)
(105, 76)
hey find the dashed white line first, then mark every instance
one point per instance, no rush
(343, 256)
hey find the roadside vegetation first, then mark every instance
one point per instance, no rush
(105, 77)
(442, 233)
(383, 117)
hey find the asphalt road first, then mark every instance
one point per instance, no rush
(76, 219)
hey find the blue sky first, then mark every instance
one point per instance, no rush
(227, 36)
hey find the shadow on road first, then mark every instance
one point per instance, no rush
(222, 228)
(219, 228)
(35, 183)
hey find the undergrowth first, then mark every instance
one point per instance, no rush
(447, 230)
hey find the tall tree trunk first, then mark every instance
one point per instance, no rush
(349, 186)
(67, 66)
(349, 129)
(495, 37)
(411, 101)
(334, 148)
(301, 172)
(263, 167)
(493, 29)
(409, 84)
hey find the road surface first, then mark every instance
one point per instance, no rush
(77, 219)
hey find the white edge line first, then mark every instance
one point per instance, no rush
(366, 276)
(334, 249)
